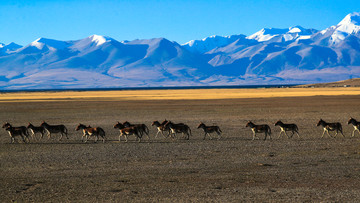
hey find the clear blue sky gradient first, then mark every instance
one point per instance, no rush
(23, 21)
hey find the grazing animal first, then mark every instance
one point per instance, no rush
(210, 129)
(55, 129)
(161, 128)
(126, 131)
(89, 131)
(330, 127)
(356, 125)
(287, 127)
(142, 128)
(259, 129)
(35, 130)
(16, 131)
(179, 128)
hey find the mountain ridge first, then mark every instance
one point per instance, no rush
(270, 56)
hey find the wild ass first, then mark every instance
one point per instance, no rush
(210, 129)
(161, 127)
(330, 127)
(179, 128)
(55, 129)
(259, 129)
(89, 131)
(126, 131)
(287, 127)
(142, 128)
(35, 129)
(16, 131)
(355, 124)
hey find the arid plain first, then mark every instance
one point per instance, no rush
(232, 169)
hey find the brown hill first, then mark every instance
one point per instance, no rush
(344, 83)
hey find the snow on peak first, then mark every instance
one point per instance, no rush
(37, 43)
(41, 42)
(351, 18)
(90, 42)
(294, 30)
(266, 34)
(350, 24)
(286, 34)
(98, 39)
(211, 42)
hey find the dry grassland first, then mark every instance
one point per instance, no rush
(199, 94)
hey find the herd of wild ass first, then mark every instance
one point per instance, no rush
(166, 128)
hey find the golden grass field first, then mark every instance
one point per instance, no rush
(232, 169)
(191, 94)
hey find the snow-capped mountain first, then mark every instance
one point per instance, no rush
(349, 26)
(282, 35)
(9, 48)
(269, 56)
(99, 61)
(212, 42)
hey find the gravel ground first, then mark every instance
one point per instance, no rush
(232, 169)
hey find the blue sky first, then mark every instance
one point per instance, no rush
(23, 21)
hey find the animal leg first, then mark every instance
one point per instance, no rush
(287, 134)
(162, 132)
(139, 138)
(141, 133)
(32, 135)
(280, 134)
(204, 136)
(103, 137)
(254, 136)
(219, 135)
(323, 134)
(329, 134)
(342, 133)
(28, 138)
(173, 134)
(23, 139)
(35, 137)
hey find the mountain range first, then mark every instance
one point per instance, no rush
(294, 55)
